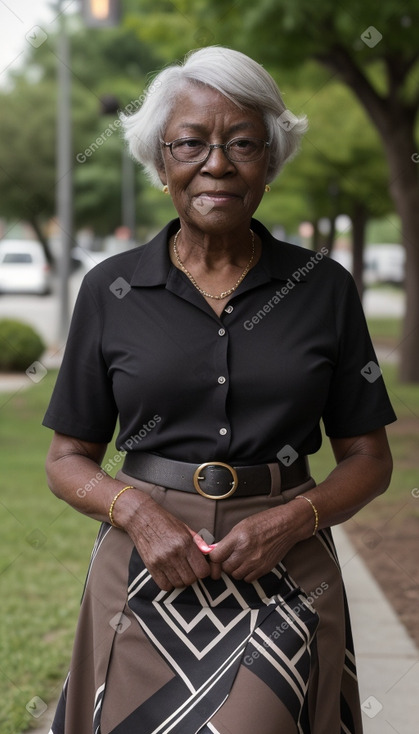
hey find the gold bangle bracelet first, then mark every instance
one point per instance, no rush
(314, 508)
(110, 513)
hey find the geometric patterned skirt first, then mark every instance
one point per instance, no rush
(219, 657)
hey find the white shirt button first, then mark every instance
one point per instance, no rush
(223, 431)
(228, 309)
(221, 332)
(221, 380)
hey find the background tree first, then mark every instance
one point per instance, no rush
(103, 61)
(343, 147)
(27, 155)
(341, 168)
(372, 47)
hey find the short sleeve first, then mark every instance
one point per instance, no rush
(82, 404)
(357, 402)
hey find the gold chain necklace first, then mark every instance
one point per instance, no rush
(224, 294)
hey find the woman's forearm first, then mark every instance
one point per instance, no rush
(348, 488)
(75, 476)
(359, 477)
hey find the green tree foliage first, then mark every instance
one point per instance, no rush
(27, 153)
(371, 47)
(103, 62)
(341, 161)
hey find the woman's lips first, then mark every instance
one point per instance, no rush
(208, 200)
(217, 195)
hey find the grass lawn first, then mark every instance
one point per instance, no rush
(44, 549)
(385, 330)
(403, 438)
(45, 545)
(403, 435)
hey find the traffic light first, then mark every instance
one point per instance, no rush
(101, 13)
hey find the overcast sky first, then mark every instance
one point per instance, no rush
(23, 22)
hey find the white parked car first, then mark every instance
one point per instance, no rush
(382, 263)
(24, 267)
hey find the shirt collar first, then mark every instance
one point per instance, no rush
(154, 263)
(279, 260)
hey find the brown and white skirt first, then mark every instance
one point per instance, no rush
(218, 657)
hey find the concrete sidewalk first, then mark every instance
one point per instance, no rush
(387, 658)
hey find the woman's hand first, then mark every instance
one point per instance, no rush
(173, 553)
(255, 545)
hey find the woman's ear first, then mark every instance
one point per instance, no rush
(161, 172)
(162, 175)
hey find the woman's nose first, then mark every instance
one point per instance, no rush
(217, 162)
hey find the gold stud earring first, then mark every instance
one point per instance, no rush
(267, 188)
(165, 189)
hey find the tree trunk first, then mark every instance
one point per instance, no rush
(395, 122)
(330, 239)
(334, 191)
(316, 236)
(359, 220)
(43, 240)
(404, 189)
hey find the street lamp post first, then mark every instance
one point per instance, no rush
(96, 13)
(64, 200)
(110, 106)
(101, 13)
(106, 14)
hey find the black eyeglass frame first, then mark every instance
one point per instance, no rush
(212, 146)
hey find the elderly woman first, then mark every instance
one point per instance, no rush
(214, 601)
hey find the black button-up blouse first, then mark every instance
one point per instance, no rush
(290, 349)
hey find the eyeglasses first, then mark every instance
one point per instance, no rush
(238, 150)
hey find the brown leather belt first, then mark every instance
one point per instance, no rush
(216, 480)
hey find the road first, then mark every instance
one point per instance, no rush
(42, 312)
(384, 302)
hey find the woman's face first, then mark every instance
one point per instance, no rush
(217, 195)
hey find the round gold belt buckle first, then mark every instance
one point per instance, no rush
(197, 477)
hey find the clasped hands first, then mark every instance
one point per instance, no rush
(177, 556)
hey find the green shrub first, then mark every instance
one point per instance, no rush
(20, 345)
